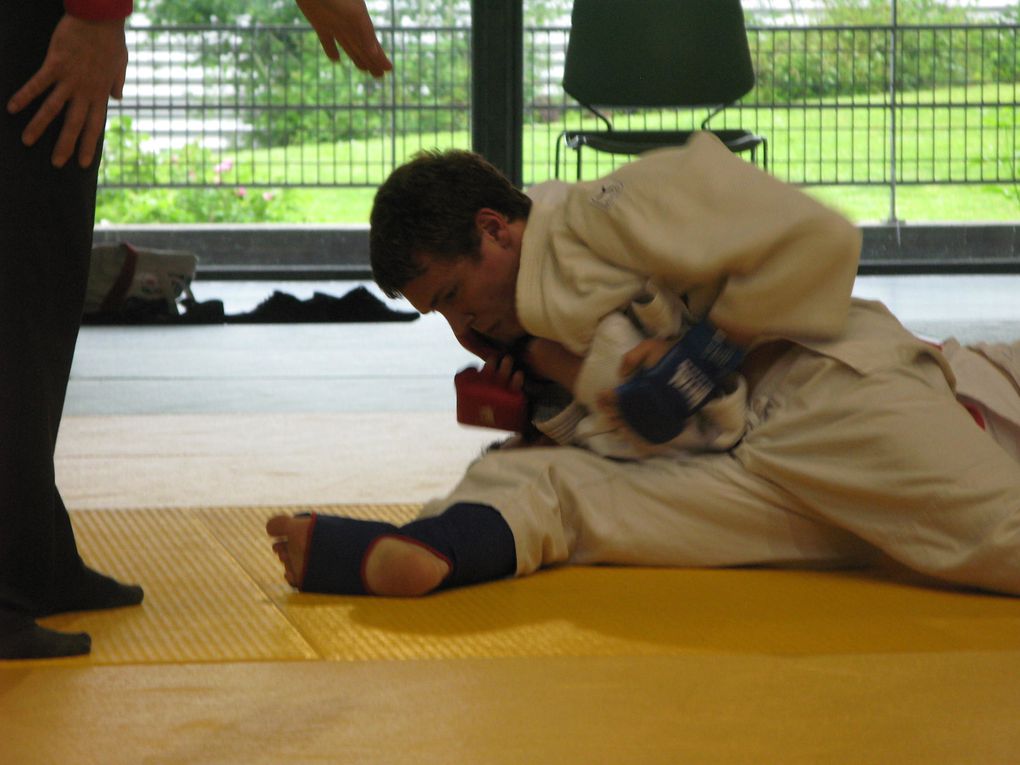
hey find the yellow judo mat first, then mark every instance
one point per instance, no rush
(225, 663)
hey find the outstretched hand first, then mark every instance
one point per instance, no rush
(347, 22)
(84, 66)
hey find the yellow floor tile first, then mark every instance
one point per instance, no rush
(215, 592)
(926, 709)
(224, 663)
(200, 604)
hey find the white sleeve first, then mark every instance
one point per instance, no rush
(600, 368)
(782, 263)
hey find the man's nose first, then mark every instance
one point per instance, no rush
(459, 322)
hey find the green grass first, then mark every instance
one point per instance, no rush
(914, 204)
(924, 204)
(938, 143)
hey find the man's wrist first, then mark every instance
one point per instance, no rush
(99, 10)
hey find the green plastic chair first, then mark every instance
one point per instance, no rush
(656, 54)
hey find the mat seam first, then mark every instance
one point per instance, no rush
(301, 633)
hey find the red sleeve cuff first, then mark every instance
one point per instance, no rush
(99, 10)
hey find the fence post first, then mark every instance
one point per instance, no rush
(497, 84)
(892, 118)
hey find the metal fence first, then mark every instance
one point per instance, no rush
(260, 106)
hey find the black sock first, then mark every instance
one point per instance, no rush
(473, 539)
(92, 591)
(22, 638)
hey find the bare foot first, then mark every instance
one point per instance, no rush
(291, 541)
(394, 566)
(402, 569)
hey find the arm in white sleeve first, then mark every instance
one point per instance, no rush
(782, 264)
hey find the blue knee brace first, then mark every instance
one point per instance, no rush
(656, 402)
(473, 539)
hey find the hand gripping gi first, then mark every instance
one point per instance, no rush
(656, 402)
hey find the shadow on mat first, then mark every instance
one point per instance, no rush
(606, 610)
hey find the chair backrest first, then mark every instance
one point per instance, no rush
(657, 53)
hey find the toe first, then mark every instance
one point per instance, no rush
(278, 525)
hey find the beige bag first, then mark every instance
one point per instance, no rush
(121, 275)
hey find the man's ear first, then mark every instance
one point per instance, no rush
(491, 223)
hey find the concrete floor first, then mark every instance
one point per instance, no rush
(398, 367)
(222, 415)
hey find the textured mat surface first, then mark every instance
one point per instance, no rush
(903, 709)
(224, 663)
(215, 592)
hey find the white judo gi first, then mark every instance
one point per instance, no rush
(853, 440)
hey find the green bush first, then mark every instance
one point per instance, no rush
(127, 165)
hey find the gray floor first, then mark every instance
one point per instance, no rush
(397, 367)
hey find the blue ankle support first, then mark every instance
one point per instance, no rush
(656, 402)
(473, 539)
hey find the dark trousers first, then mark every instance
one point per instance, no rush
(46, 219)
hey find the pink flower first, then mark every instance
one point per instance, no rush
(268, 196)
(224, 166)
(241, 191)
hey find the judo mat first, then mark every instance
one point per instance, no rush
(225, 663)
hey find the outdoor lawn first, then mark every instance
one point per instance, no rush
(812, 143)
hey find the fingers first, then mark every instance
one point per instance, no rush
(360, 42)
(634, 359)
(511, 378)
(46, 113)
(94, 126)
(328, 45)
(74, 120)
(31, 90)
(362, 45)
(117, 91)
(606, 404)
(647, 353)
(502, 368)
(85, 63)
(347, 23)
(367, 55)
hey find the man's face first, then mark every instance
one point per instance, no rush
(474, 294)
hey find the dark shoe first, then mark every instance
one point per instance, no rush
(92, 591)
(278, 308)
(358, 305)
(205, 312)
(22, 638)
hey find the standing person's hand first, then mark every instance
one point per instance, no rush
(84, 66)
(347, 22)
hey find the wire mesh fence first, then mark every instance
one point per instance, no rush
(210, 106)
(261, 107)
(842, 105)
